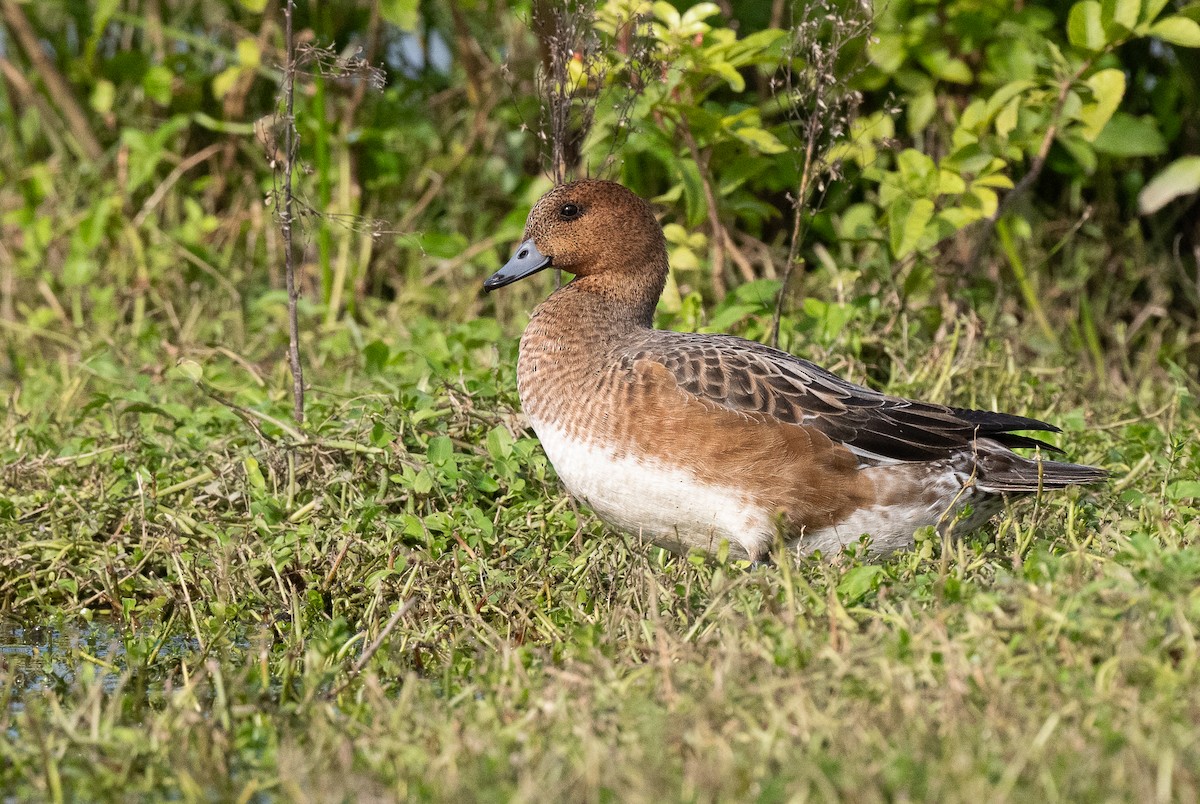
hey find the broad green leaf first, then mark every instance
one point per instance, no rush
(730, 74)
(253, 6)
(857, 582)
(1126, 135)
(956, 218)
(223, 81)
(375, 356)
(1108, 87)
(989, 202)
(698, 13)
(907, 220)
(157, 83)
(440, 450)
(942, 65)
(1006, 93)
(1181, 177)
(1152, 9)
(1120, 12)
(1184, 490)
(887, 52)
(249, 53)
(103, 95)
(499, 442)
(683, 258)
(994, 180)
(404, 14)
(254, 474)
(1084, 28)
(917, 171)
(1080, 150)
(921, 110)
(760, 140)
(975, 116)
(666, 14)
(1006, 120)
(1177, 30)
(968, 159)
(858, 222)
(950, 183)
(674, 233)
(190, 369)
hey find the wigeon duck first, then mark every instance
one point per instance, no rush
(689, 440)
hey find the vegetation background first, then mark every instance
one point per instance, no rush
(981, 202)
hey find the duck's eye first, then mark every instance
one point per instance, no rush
(569, 212)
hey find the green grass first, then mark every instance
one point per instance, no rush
(399, 601)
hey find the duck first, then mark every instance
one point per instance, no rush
(711, 442)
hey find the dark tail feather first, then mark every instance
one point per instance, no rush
(1010, 473)
(997, 426)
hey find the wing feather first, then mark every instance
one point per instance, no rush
(752, 378)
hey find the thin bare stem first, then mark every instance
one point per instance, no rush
(286, 220)
(822, 105)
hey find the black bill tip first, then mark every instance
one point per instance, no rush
(525, 262)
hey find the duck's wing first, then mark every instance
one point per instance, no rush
(751, 378)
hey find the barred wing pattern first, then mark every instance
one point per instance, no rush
(752, 378)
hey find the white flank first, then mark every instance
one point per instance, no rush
(657, 501)
(891, 529)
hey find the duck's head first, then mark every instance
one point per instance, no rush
(590, 228)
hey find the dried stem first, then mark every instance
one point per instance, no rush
(822, 106)
(286, 219)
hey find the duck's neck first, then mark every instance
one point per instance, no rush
(613, 305)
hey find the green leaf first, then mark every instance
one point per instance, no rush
(440, 450)
(697, 13)
(917, 171)
(921, 110)
(858, 222)
(1006, 93)
(1126, 135)
(942, 65)
(857, 582)
(1181, 177)
(887, 51)
(1080, 150)
(1177, 30)
(156, 83)
(1006, 120)
(1084, 28)
(1108, 87)
(499, 442)
(1120, 12)
(190, 369)
(103, 95)
(375, 355)
(730, 74)
(760, 140)
(1152, 9)
(1184, 490)
(907, 220)
(254, 474)
(401, 13)
(950, 183)
(666, 14)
